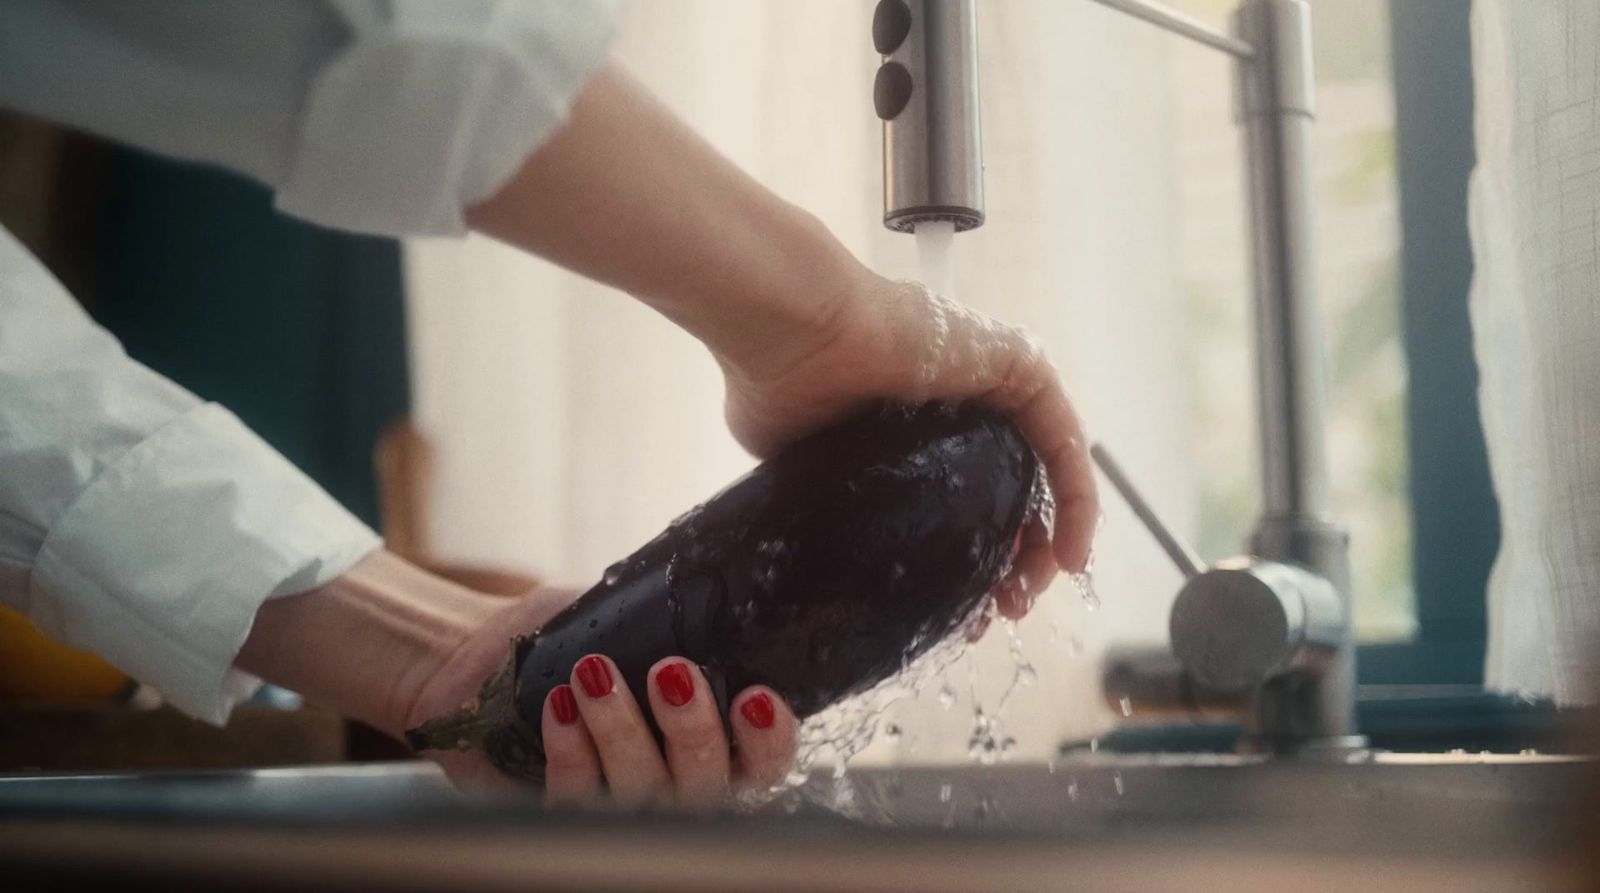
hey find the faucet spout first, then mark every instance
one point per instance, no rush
(926, 93)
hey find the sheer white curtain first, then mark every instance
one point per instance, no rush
(1535, 217)
(572, 423)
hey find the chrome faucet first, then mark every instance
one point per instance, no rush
(926, 92)
(1267, 634)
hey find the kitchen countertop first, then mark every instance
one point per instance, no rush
(1439, 824)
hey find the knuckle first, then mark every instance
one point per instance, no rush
(567, 758)
(563, 766)
(615, 732)
(693, 728)
(697, 753)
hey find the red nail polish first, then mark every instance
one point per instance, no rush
(675, 683)
(564, 705)
(758, 711)
(594, 676)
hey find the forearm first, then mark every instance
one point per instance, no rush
(627, 194)
(368, 642)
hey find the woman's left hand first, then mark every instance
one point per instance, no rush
(599, 750)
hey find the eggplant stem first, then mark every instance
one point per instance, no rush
(488, 723)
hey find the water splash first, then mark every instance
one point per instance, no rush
(844, 730)
(986, 742)
(1084, 583)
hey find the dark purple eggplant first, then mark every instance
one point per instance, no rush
(819, 573)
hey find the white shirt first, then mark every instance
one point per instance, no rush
(137, 521)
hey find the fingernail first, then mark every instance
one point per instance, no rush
(594, 676)
(757, 710)
(564, 705)
(675, 683)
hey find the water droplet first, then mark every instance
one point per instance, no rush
(1529, 751)
(944, 793)
(593, 624)
(1126, 704)
(1116, 781)
(1072, 790)
(772, 548)
(892, 732)
(1094, 745)
(1084, 583)
(613, 573)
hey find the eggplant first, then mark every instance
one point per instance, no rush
(819, 573)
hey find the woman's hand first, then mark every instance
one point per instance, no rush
(898, 339)
(598, 749)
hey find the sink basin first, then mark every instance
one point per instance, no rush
(1446, 822)
(1180, 791)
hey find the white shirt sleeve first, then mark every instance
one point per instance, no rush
(137, 521)
(380, 116)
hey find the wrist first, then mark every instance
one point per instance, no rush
(812, 296)
(367, 643)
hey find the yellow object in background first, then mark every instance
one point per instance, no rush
(35, 667)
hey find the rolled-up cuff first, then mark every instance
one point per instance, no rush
(160, 565)
(410, 125)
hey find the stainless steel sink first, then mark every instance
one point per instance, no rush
(1124, 822)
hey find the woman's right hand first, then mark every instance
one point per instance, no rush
(900, 340)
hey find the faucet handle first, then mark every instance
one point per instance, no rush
(1188, 562)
